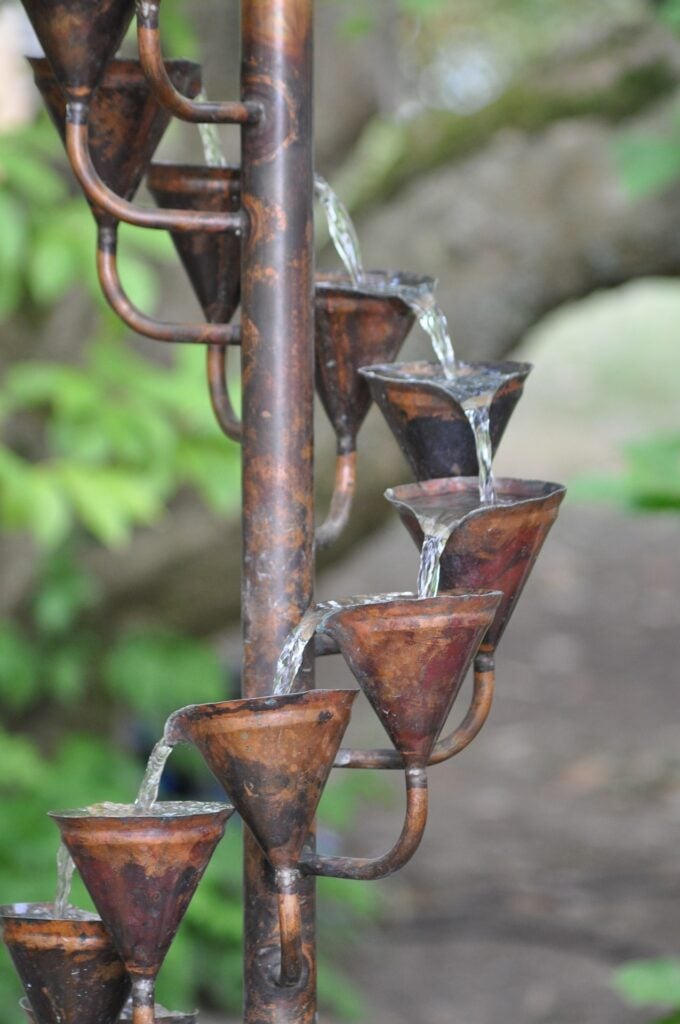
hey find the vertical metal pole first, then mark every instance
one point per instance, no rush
(278, 388)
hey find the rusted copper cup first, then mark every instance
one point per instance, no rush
(212, 261)
(79, 38)
(69, 968)
(126, 122)
(410, 657)
(273, 756)
(429, 425)
(492, 545)
(141, 870)
(355, 327)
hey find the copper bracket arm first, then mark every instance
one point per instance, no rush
(341, 502)
(101, 196)
(362, 869)
(107, 269)
(220, 399)
(151, 59)
(455, 743)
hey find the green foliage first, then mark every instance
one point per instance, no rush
(651, 983)
(650, 481)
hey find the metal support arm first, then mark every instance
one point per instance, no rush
(455, 743)
(102, 198)
(366, 870)
(107, 269)
(151, 58)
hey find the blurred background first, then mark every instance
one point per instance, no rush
(527, 154)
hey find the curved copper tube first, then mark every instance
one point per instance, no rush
(341, 502)
(107, 269)
(219, 393)
(363, 869)
(101, 196)
(151, 59)
(290, 927)
(454, 743)
(143, 1001)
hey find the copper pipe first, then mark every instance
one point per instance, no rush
(103, 199)
(219, 393)
(151, 59)
(454, 743)
(341, 502)
(143, 1001)
(107, 269)
(290, 926)
(363, 869)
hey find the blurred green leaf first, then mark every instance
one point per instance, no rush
(155, 672)
(649, 982)
(19, 669)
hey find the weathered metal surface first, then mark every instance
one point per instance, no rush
(212, 262)
(444, 749)
(69, 968)
(158, 330)
(161, 1015)
(79, 38)
(126, 121)
(493, 545)
(355, 327)
(141, 872)
(429, 426)
(150, 54)
(272, 756)
(344, 487)
(365, 869)
(278, 391)
(410, 658)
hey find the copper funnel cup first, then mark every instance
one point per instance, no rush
(356, 327)
(79, 38)
(212, 262)
(141, 870)
(429, 425)
(492, 545)
(273, 756)
(410, 657)
(69, 968)
(126, 122)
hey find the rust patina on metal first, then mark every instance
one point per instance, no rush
(69, 968)
(151, 56)
(273, 756)
(430, 427)
(353, 326)
(212, 262)
(493, 545)
(141, 871)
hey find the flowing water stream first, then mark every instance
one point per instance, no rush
(293, 650)
(210, 140)
(150, 784)
(65, 871)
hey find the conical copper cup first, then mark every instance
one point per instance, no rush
(429, 425)
(492, 545)
(273, 756)
(79, 38)
(212, 261)
(68, 967)
(410, 656)
(126, 121)
(356, 326)
(141, 870)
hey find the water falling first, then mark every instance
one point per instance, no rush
(210, 140)
(479, 418)
(150, 784)
(341, 229)
(65, 872)
(293, 651)
(432, 319)
(430, 561)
